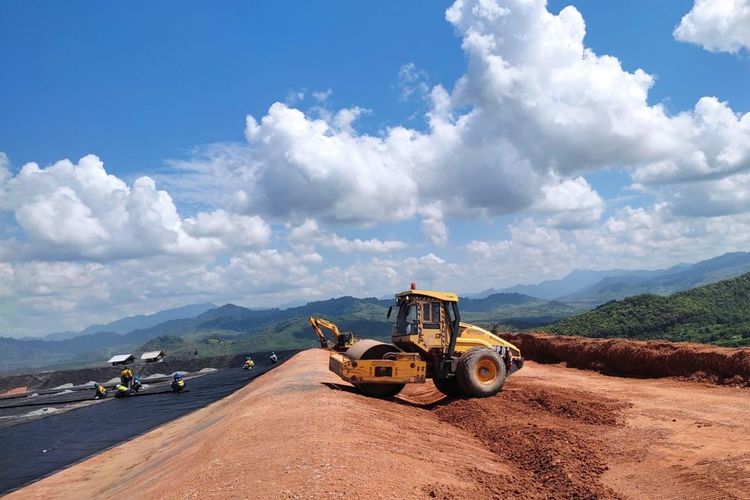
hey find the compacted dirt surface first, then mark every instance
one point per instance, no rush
(554, 432)
(578, 434)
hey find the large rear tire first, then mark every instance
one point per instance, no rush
(380, 390)
(448, 386)
(480, 373)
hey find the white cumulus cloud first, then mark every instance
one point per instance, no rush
(78, 210)
(717, 25)
(564, 107)
(309, 233)
(232, 229)
(571, 203)
(535, 111)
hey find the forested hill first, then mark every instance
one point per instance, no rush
(718, 313)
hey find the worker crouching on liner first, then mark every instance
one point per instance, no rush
(121, 391)
(178, 384)
(101, 391)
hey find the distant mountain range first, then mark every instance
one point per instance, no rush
(664, 282)
(590, 288)
(718, 313)
(231, 328)
(553, 289)
(220, 322)
(211, 330)
(131, 323)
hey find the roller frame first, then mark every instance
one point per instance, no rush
(405, 369)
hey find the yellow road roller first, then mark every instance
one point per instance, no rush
(429, 341)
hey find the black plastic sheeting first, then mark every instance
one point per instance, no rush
(74, 393)
(20, 405)
(61, 401)
(40, 447)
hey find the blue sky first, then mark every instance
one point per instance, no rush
(141, 82)
(515, 182)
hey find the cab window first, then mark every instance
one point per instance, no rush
(431, 315)
(406, 323)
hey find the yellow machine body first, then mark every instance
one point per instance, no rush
(341, 340)
(406, 368)
(429, 341)
(470, 336)
(426, 325)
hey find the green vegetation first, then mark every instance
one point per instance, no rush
(717, 314)
(288, 334)
(231, 329)
(515, 314)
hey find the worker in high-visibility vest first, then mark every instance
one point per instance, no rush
(249, 363)
(126, 377)
(101, 392)
(121, 391)
(178, 384)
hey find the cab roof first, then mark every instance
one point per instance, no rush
(446, 296)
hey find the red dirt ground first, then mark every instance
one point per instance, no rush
(639, 358)
(554, 432)
(14, 391)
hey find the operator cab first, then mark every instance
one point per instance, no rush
(424, 319)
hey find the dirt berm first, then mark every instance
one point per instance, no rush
(554, 432)
(639, 358)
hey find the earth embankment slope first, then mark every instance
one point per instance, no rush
(285, 435)
(553, 432)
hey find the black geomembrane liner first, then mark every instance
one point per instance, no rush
(40, 447)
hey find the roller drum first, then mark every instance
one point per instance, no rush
(370, 349)
(373, 349)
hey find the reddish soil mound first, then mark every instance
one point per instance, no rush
(550, 436)
(638, 358)
(299, 432)
(295, 432)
